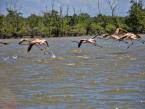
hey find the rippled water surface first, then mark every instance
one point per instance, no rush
(112, 77)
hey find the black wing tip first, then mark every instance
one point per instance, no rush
(4, 43)
(95, 36)
(138, 36)
(47, 43)
(29, 48)
(80, 43)
(20, 43)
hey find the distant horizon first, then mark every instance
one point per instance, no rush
(28, 7)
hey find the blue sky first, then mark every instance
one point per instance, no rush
(28, 7)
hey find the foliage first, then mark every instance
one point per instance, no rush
(136, 17)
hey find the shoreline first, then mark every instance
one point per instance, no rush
(143, 35)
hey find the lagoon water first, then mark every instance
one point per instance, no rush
(112, 77)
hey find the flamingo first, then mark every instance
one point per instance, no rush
(36, 42)
(132, 37)
(123, 35)
(90, 40)
(119, 32)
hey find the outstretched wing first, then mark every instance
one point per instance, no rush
(122, 38)
(105, 35)
(23, 40)
(80, 43)
(138, 36)
(30, 47)
(94, 36)
(120, 31)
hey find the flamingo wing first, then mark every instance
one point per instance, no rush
(80, 43)
(47, 43)
(138, 36)
(30, 47)
(122, 31)
(105, 35)
(94, 36)
(123, 37)
(4, 43)
(23, 40)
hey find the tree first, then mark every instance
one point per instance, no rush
(1, 25)
(85, 21)
(13, 22)
(136, 17)
(33, 24)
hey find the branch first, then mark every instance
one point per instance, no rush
(112, 6)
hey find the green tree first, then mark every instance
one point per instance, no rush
(136, 17)
(1, 25)
(12, 23)
(33, 25)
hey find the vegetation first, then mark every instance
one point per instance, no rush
(54, 24)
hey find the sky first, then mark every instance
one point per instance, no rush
(27, 7)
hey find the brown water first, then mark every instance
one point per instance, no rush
(87, 78)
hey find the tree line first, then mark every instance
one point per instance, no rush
(54, 24)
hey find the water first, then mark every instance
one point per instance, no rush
(112, 77)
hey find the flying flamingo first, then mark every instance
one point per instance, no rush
(90, 40)
(36, 42)
(131, 36)
(119, 32)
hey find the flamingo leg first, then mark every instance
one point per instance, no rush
(44, 49)
(38, 46)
